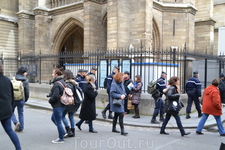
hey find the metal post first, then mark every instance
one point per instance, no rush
(141, 61)
(40, 69)
(205, 84)
(185, 70)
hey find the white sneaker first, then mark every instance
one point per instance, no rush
(17, 126)
(58, 141)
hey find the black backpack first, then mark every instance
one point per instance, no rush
(105, 83)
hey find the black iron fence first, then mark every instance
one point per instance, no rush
(138, 61)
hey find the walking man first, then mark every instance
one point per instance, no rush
(80, 78)
(21, 76)
(159, 104)
(109, 82)
(222, 87)
(193, 89)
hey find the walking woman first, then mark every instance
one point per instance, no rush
(172, 96)
(70, 109)
(58, 107)
(88, 108)
(211, 105)
(6, 107)
(117, 91)
(136, 96)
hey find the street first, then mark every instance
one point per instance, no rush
(40, 131)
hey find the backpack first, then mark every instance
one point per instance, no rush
(18, 89)
(67, 97)
(151, 89)
(105, 83)
(78, 94)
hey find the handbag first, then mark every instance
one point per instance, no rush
(175, 106)
(129, 102)
(118, 102)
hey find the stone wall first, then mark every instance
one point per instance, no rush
(146, 106)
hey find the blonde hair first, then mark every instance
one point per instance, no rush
(89, 78)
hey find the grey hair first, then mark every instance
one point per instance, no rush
(90, 77)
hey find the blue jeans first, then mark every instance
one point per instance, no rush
(20, 108)
(177, 117)
(57, 120)
(6, 123)
(159, 106)
(71, 118)
(203, 120)
(89, 123)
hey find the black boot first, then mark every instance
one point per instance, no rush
(114, 126)
(104, 113)
(68, 131)
(161, 118)
(122, 127)
(188, 116)
(154, 121)
(110, 115)
(73, 132)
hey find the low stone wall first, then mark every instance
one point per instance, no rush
(146, 106)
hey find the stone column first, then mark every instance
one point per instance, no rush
(42, 33)
(93, 26)
(129, 22)
(26, 32)
(204, 26)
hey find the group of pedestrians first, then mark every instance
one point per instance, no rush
(119, 86)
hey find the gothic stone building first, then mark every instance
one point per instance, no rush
(31, 27)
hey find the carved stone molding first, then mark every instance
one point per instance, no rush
(25, 15)
(67, 9)
(176, 8)
(97, 1)
(205, 22)
(39, 11)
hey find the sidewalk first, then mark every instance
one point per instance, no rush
(143, 121)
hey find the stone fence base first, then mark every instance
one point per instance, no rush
(146, 106)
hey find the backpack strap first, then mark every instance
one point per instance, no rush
(61, 84)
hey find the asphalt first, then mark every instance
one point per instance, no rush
(143, 121)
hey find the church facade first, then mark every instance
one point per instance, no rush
(55, 26)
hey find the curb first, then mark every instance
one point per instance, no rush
(129, 124)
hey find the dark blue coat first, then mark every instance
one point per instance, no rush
(109, 81)
(116, 90)
(161, 84)
(194, 84)
(81, 81)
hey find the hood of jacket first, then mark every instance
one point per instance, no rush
(72, 81)
(210, 89)
(20, 77)
(57, 78)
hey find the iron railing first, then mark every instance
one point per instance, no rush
(139, 61)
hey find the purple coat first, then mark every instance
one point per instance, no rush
(136, 96)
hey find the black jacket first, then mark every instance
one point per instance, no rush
(25, 81)
(222, 90)
(56, 92)
(6, 97)
(88, 108)
(126, 82)
(171, 95)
